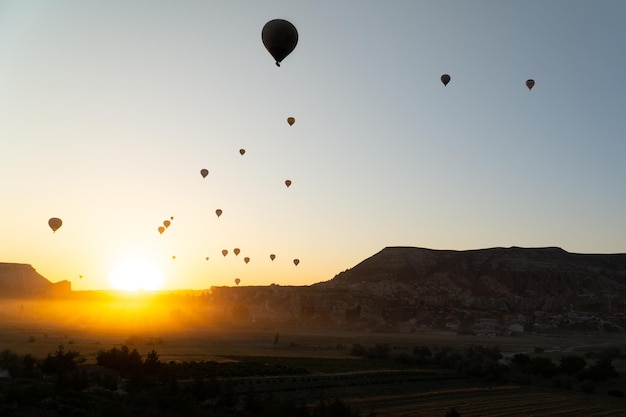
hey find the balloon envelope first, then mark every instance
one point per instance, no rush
(246, 259)
(242, 151)
(445, 79)
(207, 258)
(287, 183)
(166, 223)
(161, 229)
(530, 84)
(236, 250)
(55, 223)
(272, 256)
(296, 262)
(237, 281)
(291, 121)
(280, 38)
(218, 212)
(204, 172)
(224, 252)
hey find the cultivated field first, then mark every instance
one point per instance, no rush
(328, 352)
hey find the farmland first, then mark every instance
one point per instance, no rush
(313, 364)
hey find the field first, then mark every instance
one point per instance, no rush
(327, 354)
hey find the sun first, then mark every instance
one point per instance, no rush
(136, 274)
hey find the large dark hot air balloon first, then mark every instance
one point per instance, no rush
(530, 84)
(288, 183)
(272, 256)
(218, 212)
(280, 38)
(55, 223)
(291, 120)
(236, 250)
(204, 172)
(224, 252)
(296, 262)
(445, 79)
(246, 259)
(242, 151)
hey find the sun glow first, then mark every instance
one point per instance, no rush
(136, 274)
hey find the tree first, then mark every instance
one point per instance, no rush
(572, 364)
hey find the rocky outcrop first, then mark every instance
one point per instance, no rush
(400, 283)
(21, 280)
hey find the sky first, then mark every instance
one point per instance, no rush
(110, 109)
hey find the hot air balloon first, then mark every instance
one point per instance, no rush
(161, 229)
(172, 218)
(287, 183)
(296, 262)
(237, 281)
(272, 256)
(242, 151)
(291, 121)
(173, 256)
(236, 250)
(445, 79)
(207, 258)
(280, 38)
(166, 223)
(218, 212)
(80, 276)
(204, 172)
(224, 252)
(530, 84)
(55, 223)
(246, 259)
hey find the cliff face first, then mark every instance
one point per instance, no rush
(21, 280)
(400, 283)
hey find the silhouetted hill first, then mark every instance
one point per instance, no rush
(21, 280)
(407, 284)
(495, 272)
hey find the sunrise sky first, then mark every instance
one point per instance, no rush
(110, 109)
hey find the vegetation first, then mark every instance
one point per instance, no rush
(125, 382)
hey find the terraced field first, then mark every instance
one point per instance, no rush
(506, 401)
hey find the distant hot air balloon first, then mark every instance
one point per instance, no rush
(291, 121)
(237, 281)
(246, 259)
(296, 262)
(242, 151)
(218, 212)
(55, 223)
(173, 256)
(272, 256)
(80, 276)
(288, 183)
(161, 229)
(207, 258)
(204, 172)
(172, 218)
(530, 84)
(280, 38)
(224, 252)
(445, 79)
(166, 223)
(236, 250)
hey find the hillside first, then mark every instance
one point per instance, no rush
(417, 285)
(22, 280)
